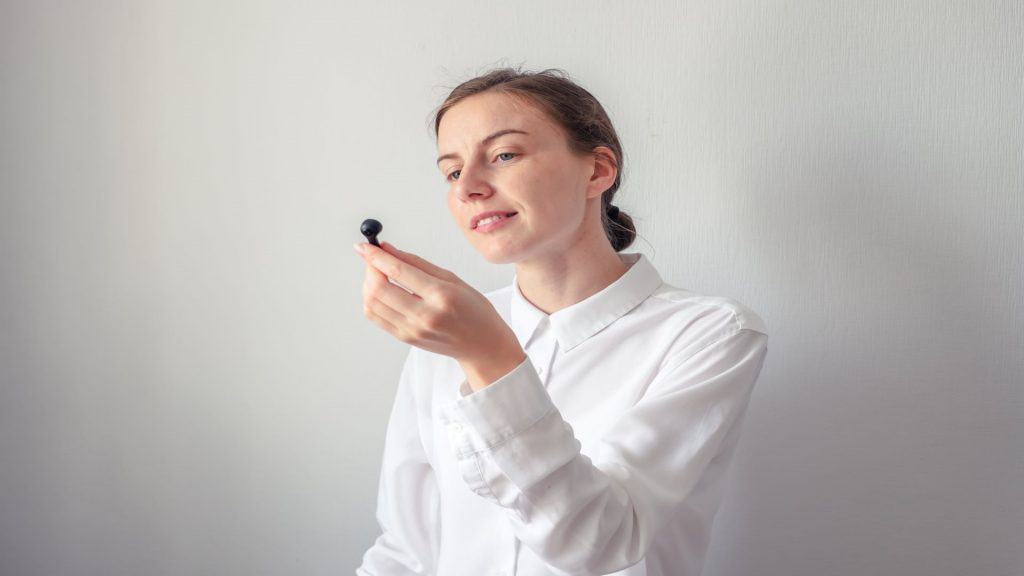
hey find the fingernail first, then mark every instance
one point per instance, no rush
(358, 247)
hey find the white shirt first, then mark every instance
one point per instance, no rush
(603, 452)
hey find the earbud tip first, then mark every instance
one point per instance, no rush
(370, 227)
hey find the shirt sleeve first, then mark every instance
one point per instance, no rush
(598, 517)
(408, 501)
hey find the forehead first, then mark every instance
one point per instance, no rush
(469, 121)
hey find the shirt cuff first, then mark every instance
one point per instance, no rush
(487, 417)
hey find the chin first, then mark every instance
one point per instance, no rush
(499, 254)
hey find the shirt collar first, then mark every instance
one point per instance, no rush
(574, 324)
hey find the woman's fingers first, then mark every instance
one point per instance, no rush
(383, 323)
(387, 302)
(378, 287)
(394, 320)
(409, 257)
(406, 274)
(380, 313)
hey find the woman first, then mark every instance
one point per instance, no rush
(579, 420)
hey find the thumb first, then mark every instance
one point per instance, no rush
(410, 258)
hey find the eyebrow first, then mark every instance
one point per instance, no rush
(486, 140)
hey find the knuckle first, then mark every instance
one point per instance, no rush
(450, 306)
(446, 306)
(429, 322)
(422, 324)
(443, 296)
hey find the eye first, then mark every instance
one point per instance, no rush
(453, 174)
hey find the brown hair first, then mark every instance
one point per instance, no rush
(576, 110)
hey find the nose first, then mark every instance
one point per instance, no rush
(473, 184)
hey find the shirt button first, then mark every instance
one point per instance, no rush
(455, 427)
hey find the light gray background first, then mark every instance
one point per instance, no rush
(189, 385)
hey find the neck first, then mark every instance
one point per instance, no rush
(563, 277)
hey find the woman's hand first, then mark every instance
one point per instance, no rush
(443, 314)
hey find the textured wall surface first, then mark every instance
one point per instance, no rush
(188, 385)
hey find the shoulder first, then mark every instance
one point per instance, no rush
(689, 321)
(718, 309)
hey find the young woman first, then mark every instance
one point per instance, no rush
(579, 420)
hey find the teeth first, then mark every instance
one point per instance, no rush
(488, 220)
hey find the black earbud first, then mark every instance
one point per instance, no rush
(370, 228)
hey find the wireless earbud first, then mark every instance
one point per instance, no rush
(370, 228)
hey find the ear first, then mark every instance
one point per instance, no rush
(605, 171)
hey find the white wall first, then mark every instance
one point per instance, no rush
(188, 385)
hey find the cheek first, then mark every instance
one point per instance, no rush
(551, 199)
(551, 186)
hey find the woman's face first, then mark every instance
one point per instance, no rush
(533, 174)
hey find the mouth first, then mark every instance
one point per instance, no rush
(494, 222)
